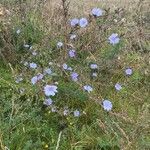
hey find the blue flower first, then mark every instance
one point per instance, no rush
(18, 31)
(34, 80)
(59, 44)
(33, 65)
(72, 53)
(73, 36)
(94, 74)
(88, 88)
(118, 87)
(40, 76)
(66, 112)
(48, 71)
(48, 102)
(74, 22)
(65, 67)
(76, 113)
(93, 66)
(50, 90)
(97, 12)
(83, 22)
(114, 39)
(74, 76)
(107, 105)
(128, 71)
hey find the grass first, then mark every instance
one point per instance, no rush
(27, 124)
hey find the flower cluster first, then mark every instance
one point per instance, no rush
(50, 89)
(83, 22)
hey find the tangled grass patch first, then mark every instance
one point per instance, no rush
(74, 82)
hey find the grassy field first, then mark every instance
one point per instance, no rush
(74, 117)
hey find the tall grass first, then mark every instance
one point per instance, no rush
(30, 32)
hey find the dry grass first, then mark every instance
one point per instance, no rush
(127, 124)
(80, 6)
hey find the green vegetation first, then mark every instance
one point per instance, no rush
(27, 124)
